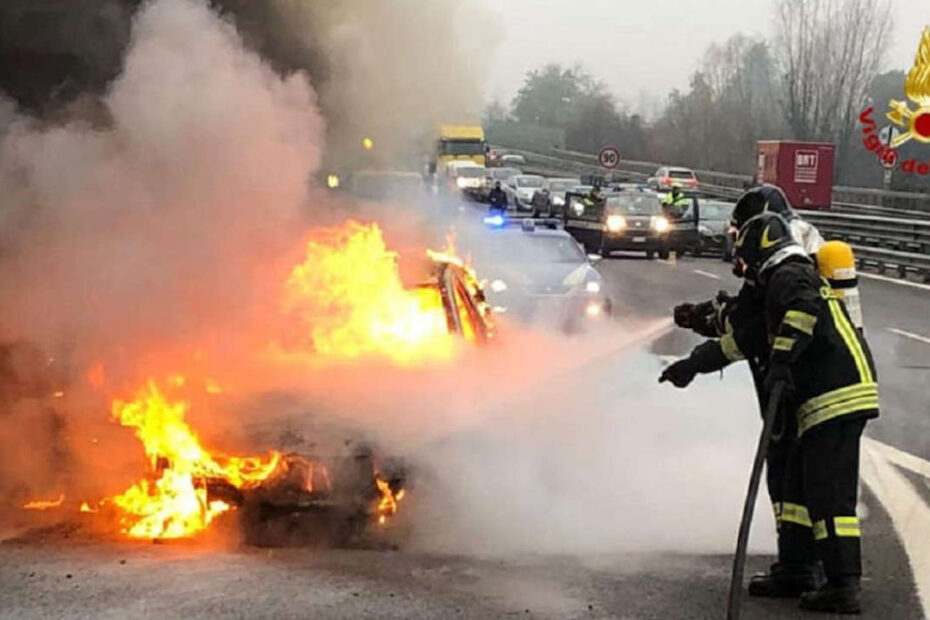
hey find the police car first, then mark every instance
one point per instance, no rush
(537, 273)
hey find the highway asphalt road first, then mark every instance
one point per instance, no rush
(63, 576)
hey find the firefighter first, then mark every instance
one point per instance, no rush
(771, 198)
(498, 198)
(829, 392)
(834, 259)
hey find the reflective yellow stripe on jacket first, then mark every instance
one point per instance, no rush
(862, 396)
(801, 321)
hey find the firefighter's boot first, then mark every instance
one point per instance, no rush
(784, 581)
(837, 596)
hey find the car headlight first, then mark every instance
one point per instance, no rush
(462, 182)
(593, 287)
(616, 223)
(660, 224)
(558, 201)
(704, 230)
(498, 286)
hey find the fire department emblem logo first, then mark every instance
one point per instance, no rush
(915, 124)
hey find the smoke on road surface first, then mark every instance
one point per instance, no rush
(162, 234)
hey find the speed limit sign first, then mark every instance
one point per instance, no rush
(609, 157)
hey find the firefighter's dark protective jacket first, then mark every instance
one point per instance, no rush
(805, 326)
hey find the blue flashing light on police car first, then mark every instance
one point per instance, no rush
(495, 221)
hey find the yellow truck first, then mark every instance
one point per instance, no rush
(460, 143)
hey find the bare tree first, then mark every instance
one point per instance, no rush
(829, 51)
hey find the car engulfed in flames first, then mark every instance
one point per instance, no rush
(281, 498)
(346, 302)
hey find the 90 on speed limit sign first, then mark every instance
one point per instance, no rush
(609, 157)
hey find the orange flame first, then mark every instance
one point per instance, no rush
(387, 503)
(45, 504)
(350, 298)
(175, 503)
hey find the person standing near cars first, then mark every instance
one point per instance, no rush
(675, 203)
(542, 203)
(497, 198)
(829, 391)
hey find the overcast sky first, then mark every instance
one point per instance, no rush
(643, 49)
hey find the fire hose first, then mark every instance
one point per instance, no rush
(742, 540)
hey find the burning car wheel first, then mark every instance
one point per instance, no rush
(310, 507)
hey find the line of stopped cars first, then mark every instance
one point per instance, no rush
(538, 260)
(607, 217)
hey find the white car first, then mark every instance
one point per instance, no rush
(466, 176)
(521, 188)
(667, 177)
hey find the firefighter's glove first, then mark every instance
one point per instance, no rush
(780, 374)
(683, 314)
(681, 373)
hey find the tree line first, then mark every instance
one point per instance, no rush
(810, 82)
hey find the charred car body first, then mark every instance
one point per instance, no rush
(309, 502)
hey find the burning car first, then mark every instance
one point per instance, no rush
(345, 301)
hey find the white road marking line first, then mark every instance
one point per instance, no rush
(911, 335)
(907, 509)
(707, 274)
(902, 282)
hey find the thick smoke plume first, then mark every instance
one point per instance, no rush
(155, 223)
(394, 71)
(161, 227)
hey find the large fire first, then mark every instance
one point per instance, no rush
(349, 302)
(174, 503)
(350, 299)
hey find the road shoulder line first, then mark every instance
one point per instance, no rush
(900, 281)
(907, 509)
(911, 335)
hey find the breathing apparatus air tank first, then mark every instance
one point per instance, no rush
(837, 264)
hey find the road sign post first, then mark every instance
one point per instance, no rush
(609, 157)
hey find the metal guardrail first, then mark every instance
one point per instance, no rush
(877, 232)
(881, 243)
(903, 263)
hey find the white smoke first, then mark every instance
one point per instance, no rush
(159, 227)
(155, 223)
(167, 224)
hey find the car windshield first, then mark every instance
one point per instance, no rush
(455, 147)
(471, 172)
(716, 211)
(562, 186)
(530, 181)
(503, 173)
(680, 174)
(634, 204)
(535, 249)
